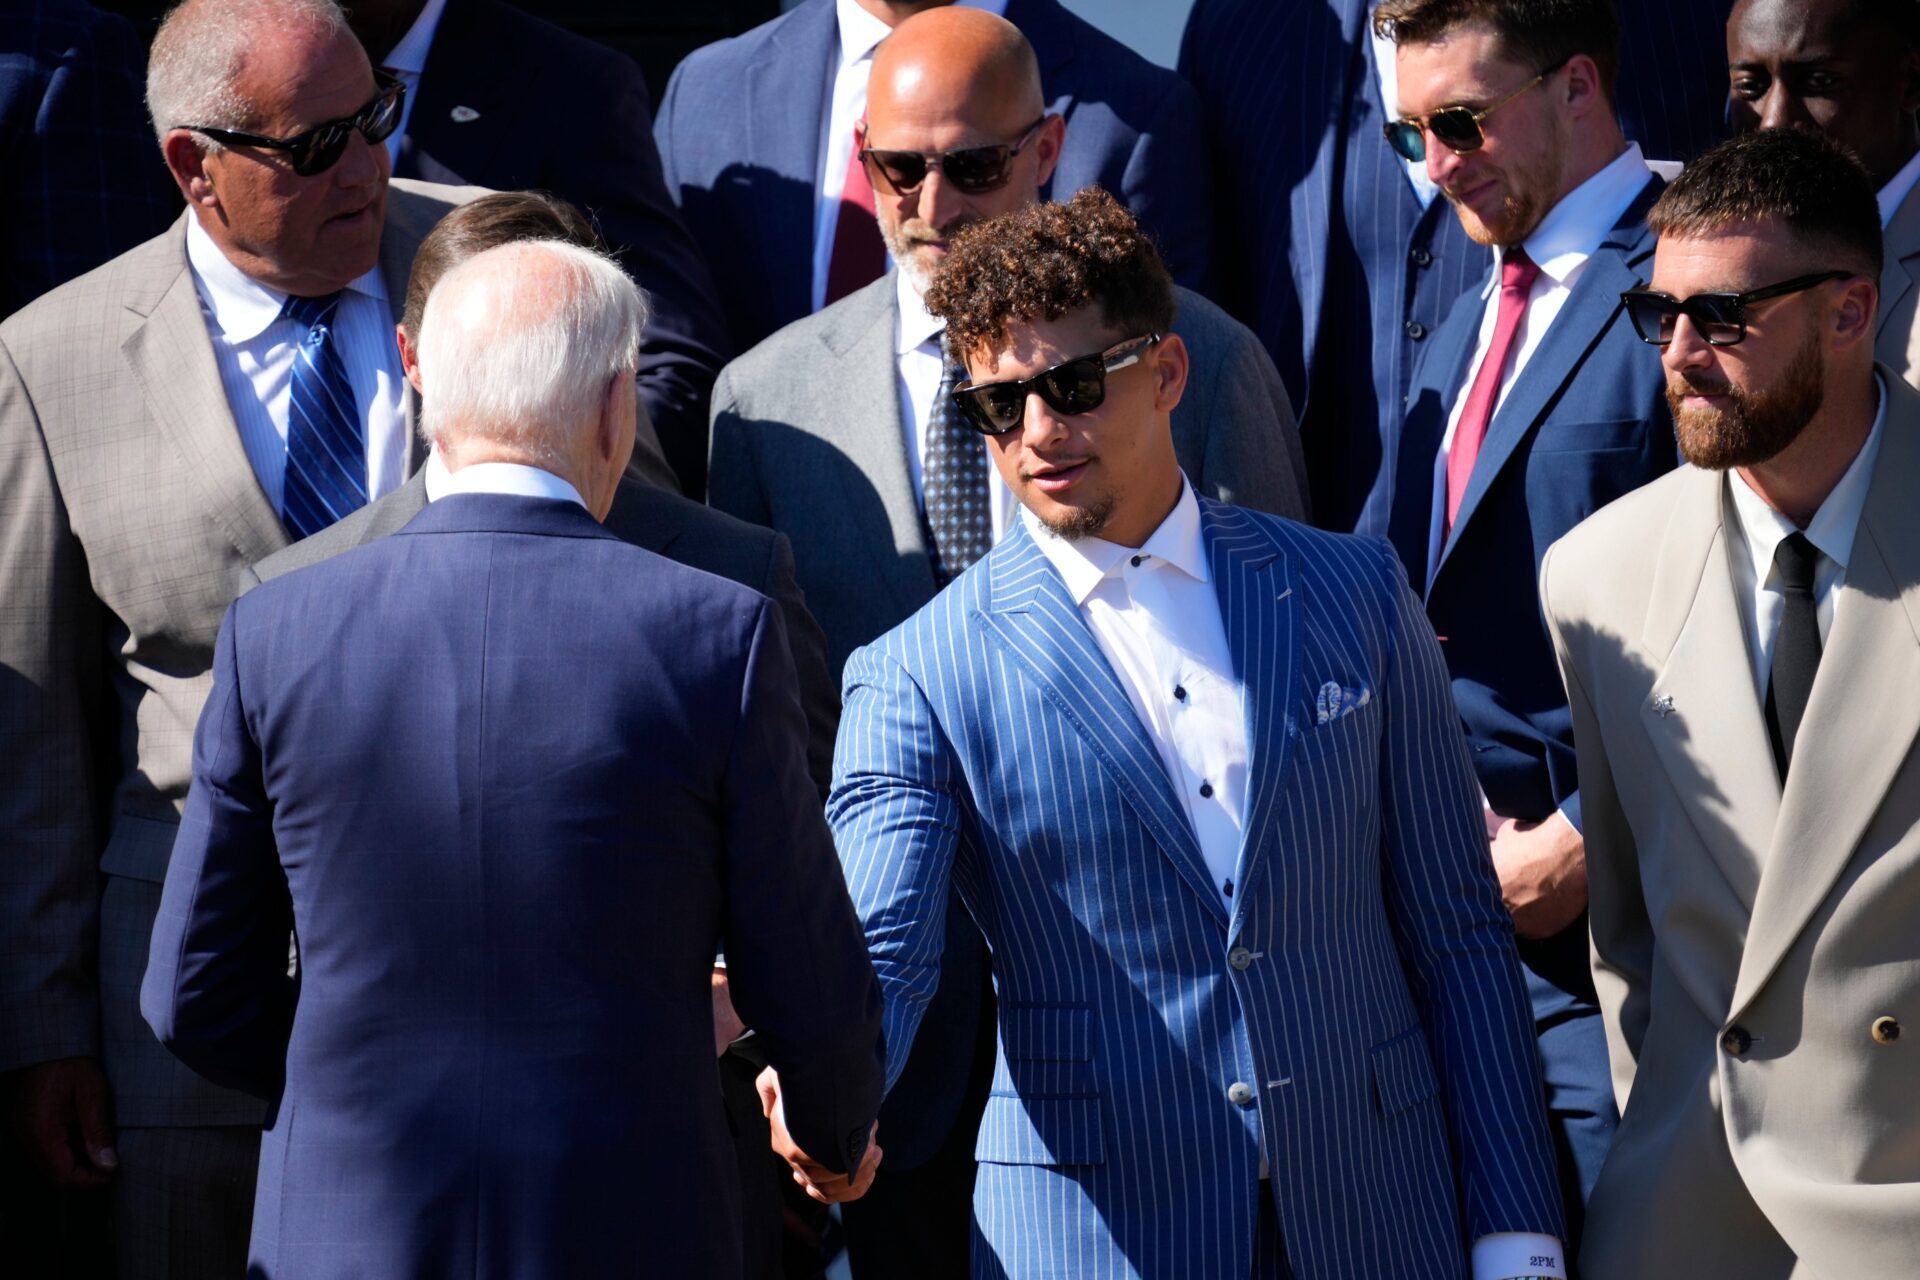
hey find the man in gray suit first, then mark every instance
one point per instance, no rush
(165, 421)
(839, 431)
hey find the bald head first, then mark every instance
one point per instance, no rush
(954, 79)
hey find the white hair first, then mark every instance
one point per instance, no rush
(518, 344)
(201, 49)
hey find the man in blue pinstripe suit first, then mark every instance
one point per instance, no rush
(1196, 774)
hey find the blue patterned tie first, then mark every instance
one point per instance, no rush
(326, 458)
(954, 484)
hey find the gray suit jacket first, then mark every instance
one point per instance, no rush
(1897, 330)
(665, 524)
(1750, 939)
(128, 514)
(807, 439)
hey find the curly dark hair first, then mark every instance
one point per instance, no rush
(1045, 260)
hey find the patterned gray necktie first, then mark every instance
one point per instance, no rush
(954, 484)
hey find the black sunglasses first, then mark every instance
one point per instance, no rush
(1720, 318)
(1070, 387)
(319, 148)
(1457, 128)
(974, 170)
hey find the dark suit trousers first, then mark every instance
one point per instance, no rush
(183, 1202)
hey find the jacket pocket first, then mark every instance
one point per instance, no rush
(1403, 1072)
(139, 848)
(1050, 1131)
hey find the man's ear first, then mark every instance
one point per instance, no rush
(1047, 144)
(188, 165)
(1171, 365)
(409, 358)
(1853, 317)
(1582, 92)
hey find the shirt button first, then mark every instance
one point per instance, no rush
(1206, 790)
(1885, 1030)
(1736, 1041)
(1180, 693)
(1137, 560)
(1240, 958)
(1416, 330)
(1240, 1093)
(1421, 258)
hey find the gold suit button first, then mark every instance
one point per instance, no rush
(1886, 1030)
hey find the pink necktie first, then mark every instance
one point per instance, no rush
(858, 255)
(1517, 274)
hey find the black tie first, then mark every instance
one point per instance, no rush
(1796, 650)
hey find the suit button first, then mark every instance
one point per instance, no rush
(1240, 1093)
(1886, 1030)
(1241, 958)
(1421, 258)
(1736, 1041)
(1416, 330)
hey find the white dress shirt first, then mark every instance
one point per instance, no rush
(254, 346)
(1155, 615)
(847, 73)
(917, 347)
(510, 478)
(407, 60)
(1756, 530)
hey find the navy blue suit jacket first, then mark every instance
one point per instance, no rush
(559, 112)
(1322, 249)
(739, 134)
(510, 780)
(1585, 422)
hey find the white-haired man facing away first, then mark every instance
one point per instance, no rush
(166, 420)
(511, 781)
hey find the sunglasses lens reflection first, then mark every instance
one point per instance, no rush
(1406, 140)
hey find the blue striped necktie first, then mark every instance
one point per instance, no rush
(326, 457)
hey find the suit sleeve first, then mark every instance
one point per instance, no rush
(1622, 933)
(808, 645)
(217, 992)
(733, 479)
(1456, 938)
(797, 966)
(1168, 188)
(896, 820)
(1256, 454)
(53, 691)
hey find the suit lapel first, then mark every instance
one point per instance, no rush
(1902, 248)
(1333, 26)
(171, 356)
(1030, 609)
(786, 93)
(1256, 584)
(1702, 714)
(1862, 718)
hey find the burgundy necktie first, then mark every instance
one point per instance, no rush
(1517, 274)
(858, 257)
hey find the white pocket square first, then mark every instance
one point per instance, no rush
(1336, 700)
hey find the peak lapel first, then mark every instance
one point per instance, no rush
(1903, 246)
(1256, 585)
(786, 92)
(1031, 610)
(1712, 739)
(172, 358)
(1862, 718)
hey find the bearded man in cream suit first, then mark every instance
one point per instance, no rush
(1741, 645)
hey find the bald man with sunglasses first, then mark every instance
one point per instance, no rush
(841, 432)
(166, 420)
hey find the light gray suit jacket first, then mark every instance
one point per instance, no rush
(128, 514)
(1748, 939)
(1897, 331)
(807, 439)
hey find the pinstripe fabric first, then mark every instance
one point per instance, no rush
(326, 475)
(986, 743)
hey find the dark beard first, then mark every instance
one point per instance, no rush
(1754, 426)
(1084, 523)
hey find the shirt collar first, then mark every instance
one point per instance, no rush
(1084, 563)
(917, 324)
(508, 478)
(1574, 228)
(1833, 526)
(860, 31)
(241, 306)
(1895, 193)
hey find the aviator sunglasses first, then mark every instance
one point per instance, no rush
(317, 150)
(1719, 318)
(1070, 387)
(974, 170)
(1457, 128)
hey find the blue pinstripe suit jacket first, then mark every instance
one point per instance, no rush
(1365, 982)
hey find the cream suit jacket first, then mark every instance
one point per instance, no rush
(128, 512)
(1897, 331)
(1746, 940)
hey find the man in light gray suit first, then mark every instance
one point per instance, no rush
(839, 432)
(165, 421)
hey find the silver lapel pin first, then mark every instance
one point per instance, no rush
(461, 115)
(1663, 705)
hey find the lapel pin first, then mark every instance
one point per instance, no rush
(462, 115)
(1663, 705)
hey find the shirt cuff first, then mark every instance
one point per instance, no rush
(1570, 810)
(1504, 1255)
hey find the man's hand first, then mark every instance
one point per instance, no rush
(59, 1111)
(727, 1026)
(815, 1179)
(1543, 873)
